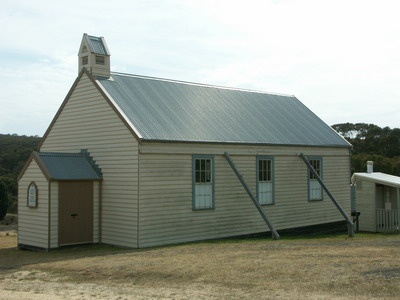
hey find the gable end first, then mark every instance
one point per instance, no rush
(70, 92)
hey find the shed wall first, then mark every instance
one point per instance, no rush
(33, 222)
(87, 121)
(366, 204)
(166, 214)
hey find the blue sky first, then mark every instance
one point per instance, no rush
(340, 58)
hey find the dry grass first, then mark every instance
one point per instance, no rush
(318, 268)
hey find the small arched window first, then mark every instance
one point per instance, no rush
(32, 195)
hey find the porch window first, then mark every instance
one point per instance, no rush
(265, 180)
(32, 195)
(203, 182)
(314, 187)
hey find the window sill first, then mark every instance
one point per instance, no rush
(315, 200)
(203, 209)
(267, 204)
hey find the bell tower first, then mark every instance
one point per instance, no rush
(94, 56)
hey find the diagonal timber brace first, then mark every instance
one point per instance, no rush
(350, 225)
(253, 198)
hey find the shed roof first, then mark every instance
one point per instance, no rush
(68, 166)
(377, 177)
(169, 110)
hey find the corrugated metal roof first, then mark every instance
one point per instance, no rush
(97, 45)
(167, 110)
(69, 166)
(378, 177)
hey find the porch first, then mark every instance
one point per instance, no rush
(387, 220)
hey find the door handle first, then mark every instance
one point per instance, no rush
(74, 215)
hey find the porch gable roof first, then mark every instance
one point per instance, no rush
(68, 166)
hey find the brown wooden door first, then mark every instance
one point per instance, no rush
(75, 212)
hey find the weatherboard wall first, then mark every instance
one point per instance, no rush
(87, 121)
(166, 214)
(366, 204)
(33, 223)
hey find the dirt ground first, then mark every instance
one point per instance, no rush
(335, 267)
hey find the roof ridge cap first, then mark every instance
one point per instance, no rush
(200, 84)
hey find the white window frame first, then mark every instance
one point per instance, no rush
(315, 191)
(203, 181)
(265, 180)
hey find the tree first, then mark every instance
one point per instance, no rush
(371, 139)
(14, 152)
(371, 142)
(4, 200)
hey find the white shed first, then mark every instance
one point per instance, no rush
(378, 201)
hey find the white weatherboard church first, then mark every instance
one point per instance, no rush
(137, 161)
